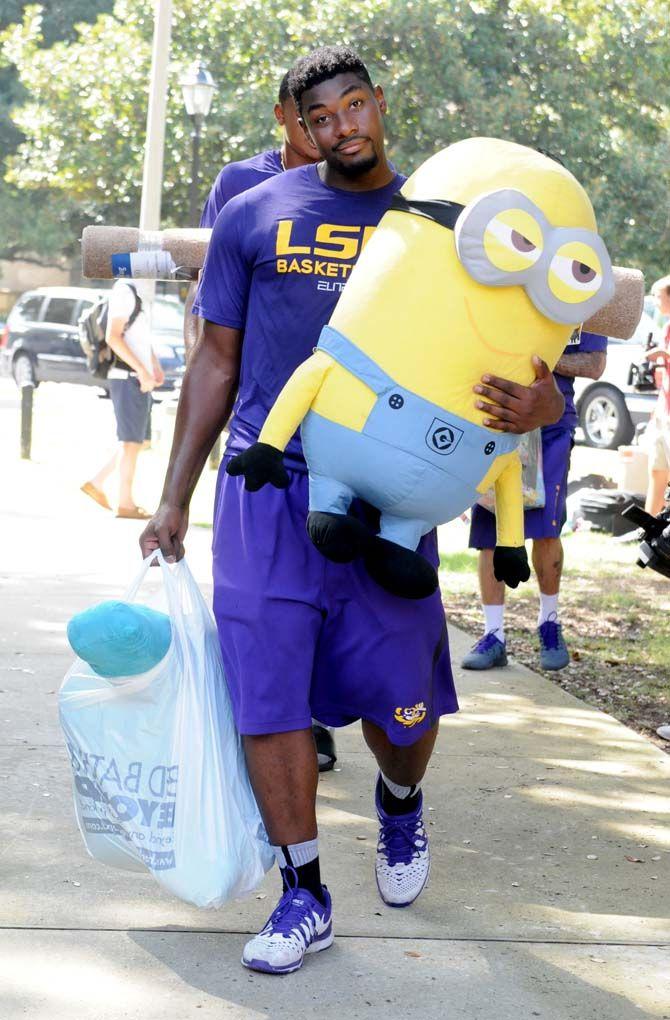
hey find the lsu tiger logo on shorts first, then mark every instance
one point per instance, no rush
(411, 716)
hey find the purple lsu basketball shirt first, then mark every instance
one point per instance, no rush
(279, 257)
(235, 178)
(581, 343)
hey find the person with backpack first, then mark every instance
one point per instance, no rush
(127, 360)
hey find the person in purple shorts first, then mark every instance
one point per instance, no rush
(585, 355)
(302, 636)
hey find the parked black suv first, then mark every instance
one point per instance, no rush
(40, 341)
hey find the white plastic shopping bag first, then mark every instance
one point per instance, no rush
(160, 782)
(532, 474)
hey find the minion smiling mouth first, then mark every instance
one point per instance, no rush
(485, 343)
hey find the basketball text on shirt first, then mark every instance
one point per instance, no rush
(330, 253)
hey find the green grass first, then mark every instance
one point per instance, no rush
(459, 562)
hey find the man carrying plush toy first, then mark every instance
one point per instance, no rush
(302, 636)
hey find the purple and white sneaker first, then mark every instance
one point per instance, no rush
(554, 652)
(403, 855)
(489, 653)
(298, 925)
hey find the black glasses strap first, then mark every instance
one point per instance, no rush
(440, 211)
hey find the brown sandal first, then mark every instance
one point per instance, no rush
(89, 489)
(133, 513)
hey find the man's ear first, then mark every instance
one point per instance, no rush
(381, 98)
(279, 114)
(306, 131)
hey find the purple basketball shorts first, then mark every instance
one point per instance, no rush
(546, 521)
(302, 637)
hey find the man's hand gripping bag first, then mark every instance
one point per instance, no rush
(160, 782)
(487, 256)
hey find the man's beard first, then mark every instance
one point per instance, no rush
(353, 170)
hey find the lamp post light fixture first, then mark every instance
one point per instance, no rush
(198, 88)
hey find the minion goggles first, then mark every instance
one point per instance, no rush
(503, 239)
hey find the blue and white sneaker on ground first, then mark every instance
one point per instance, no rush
(554, 652)
(403, 855)
(298, 925)
(489, 653)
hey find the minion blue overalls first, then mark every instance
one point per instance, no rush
(417, 463)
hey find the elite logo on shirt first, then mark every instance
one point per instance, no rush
(411, 716)
(330, 253)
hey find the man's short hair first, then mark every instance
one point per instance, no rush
(284, 91)
(322, 64)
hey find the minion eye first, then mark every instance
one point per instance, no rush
(522, 243)
(513, 241)
(575, 273)
(582, 273)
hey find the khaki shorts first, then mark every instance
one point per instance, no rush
(657, 441)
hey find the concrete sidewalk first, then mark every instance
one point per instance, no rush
(549, 895)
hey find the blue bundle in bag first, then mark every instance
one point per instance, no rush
(120, 638)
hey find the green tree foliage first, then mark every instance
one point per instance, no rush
(36, 221)
(587, 79)
(57, 21)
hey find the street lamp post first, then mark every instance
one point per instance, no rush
(197, 87)
(195, 171)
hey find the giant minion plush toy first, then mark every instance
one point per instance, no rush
(488, 255)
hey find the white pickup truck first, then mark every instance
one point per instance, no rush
(610, 408)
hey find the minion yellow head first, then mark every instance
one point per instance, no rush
(520, 220)
(498, 260)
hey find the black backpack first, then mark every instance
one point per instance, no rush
(92, 327)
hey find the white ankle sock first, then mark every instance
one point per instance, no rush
(401, 792)
(494, 620)
(295, 854)
(548, 608)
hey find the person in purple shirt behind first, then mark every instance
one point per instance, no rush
(585, 355)
(302, 636)
(296, 150)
